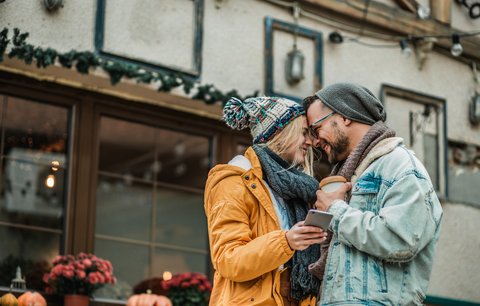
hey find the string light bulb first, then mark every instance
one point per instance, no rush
(423, 12)
(457, 48)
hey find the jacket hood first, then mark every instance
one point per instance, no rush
(223, 171)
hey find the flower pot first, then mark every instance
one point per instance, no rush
(75, 300)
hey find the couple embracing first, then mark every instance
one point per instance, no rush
(378, 248)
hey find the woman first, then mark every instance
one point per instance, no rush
(255, 206)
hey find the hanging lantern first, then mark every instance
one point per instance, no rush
(294, 66)
(295, 58)
(475, 110)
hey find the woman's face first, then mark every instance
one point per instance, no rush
(298, 149)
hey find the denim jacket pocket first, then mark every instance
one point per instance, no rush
(364, 194)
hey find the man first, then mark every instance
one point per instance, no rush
(386, 219)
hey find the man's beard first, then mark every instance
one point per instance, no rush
(338, 146)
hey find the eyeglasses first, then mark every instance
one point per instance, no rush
(312, 129)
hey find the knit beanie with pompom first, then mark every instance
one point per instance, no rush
(265, 116)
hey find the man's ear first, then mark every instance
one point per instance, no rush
(346, 121)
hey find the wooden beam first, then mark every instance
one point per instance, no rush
(441, 10)
(408, 5)
(393, 20)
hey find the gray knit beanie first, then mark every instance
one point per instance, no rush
(353, 101)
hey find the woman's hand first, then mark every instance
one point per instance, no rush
(301, 236)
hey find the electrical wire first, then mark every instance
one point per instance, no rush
(380, 46)
(346, 27)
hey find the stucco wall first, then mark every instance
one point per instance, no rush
(456, 272)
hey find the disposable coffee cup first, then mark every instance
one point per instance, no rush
(332, 183)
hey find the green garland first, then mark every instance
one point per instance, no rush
(117, 70)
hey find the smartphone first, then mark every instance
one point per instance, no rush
(318, 218)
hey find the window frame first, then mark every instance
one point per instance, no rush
(441, 105)
(192, 74)
(272, 25)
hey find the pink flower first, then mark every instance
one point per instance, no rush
(58, 270)
(108, 277)
(80, 273)
(46, 278)
(101, 278)
(68, 274)
(87, 262)
(92, 278)
(195, 281)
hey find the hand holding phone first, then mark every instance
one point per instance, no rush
(318, 218)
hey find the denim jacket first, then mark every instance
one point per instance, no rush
(384, 239)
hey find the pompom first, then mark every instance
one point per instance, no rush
(235, 115)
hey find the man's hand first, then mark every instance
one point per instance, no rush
(325, 199)
(301, 236)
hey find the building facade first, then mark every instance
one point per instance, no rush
(111, 119)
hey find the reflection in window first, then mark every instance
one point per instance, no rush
(34, 168)
(149, 208)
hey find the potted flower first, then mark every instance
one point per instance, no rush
(188, 289)
(78, 277)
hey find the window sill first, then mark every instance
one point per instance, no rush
(57, 300)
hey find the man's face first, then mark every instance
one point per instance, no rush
(327, 133)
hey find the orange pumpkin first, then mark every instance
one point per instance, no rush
(31, 299)
(148, 299)
(8, 299)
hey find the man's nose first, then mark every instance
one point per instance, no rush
(316, 143)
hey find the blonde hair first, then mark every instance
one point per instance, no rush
(288, 137)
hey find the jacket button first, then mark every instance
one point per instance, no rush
(252, 299)
(247, 177)
(254, 186)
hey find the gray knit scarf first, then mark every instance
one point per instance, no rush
(377, 132)
(298, 190)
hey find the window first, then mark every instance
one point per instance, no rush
(34, 166)
(149, 207)
(155, 43)
(420, 120)
(279, 39)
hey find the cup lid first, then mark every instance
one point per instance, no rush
(332, 179)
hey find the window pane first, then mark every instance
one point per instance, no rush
(130, 262)
(149, 197)
(28, 249)
(34, 163)
(35, 126)
(124, 208)
(183, 158)
(181, 219)
(127, 148)
(34, 168)
(178, 262)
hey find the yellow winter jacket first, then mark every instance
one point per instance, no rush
(246, 243)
